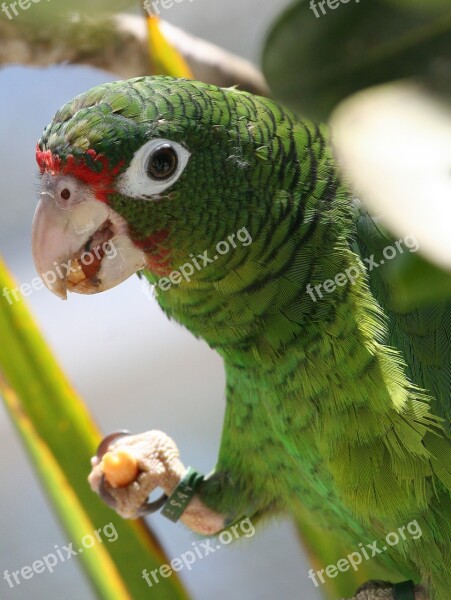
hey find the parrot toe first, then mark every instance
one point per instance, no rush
(128, 468)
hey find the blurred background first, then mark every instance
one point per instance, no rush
(134, 369)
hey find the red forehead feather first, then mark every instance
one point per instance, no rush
(100, 179)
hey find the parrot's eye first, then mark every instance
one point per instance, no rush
(154, 168)
(162, 163)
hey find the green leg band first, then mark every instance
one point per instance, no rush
(182, 495)
(404, 590)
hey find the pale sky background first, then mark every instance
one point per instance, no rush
(134, 368)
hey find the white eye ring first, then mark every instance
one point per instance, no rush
(136, 181)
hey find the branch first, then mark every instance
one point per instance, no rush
(119, 45)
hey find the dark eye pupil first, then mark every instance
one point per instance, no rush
(65, 194)
(163, 163)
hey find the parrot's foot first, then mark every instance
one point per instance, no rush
(381, 590)
(127, 468)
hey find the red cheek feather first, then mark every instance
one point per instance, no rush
(101, 182)
(157, 258)
(100, 179)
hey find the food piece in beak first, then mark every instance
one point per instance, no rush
(81, 244)
(87, 265)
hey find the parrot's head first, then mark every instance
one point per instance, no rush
(147, 174)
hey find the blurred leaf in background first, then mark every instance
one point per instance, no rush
(392, 140)
(60, 438)
(312, 63)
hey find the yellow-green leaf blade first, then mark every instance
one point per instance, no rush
(61, 438)
(165, 59)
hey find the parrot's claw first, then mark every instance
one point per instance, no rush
(145, 509)
(105, 494)
(128, 468)
(101, 451)
(109, 439)
(151, 507)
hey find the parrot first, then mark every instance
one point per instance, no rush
(337, 400)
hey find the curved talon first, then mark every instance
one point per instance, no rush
(105, 443)
(146, 508)
(151, 507)
(105, 495)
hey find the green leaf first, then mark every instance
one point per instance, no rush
(60, 438)
(311, 63)
(393, 143)
(420, 4)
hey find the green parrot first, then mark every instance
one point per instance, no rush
(234, 209)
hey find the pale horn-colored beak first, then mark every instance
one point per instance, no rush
(79, 243)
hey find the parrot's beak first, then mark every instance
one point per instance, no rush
(79, 243)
